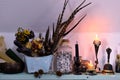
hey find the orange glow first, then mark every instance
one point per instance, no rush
(90, 65)
(97, 22)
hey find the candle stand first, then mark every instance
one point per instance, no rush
(96, 43)
(77, 65)
(77, 62)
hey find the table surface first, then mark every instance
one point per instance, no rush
(26, 76)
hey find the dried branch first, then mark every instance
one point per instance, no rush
(61, 25)
(47, 35)
(80, 5)
(60, 18)
(53, 34)
(74, 25)
(64, 7)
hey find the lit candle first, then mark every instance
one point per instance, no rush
(97, 41)
(90, 66)
(77, 50)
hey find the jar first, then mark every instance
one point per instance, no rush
(63, 57)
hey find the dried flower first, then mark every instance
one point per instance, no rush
(48, 45)
(23, 35)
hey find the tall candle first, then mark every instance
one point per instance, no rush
(77, 50)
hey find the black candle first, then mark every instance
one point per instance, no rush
(77, 50)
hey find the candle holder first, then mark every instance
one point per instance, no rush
(96, 43)
(77, 61)
(108, 67)
(77, 64)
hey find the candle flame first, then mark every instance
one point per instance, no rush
(90, 65)
(96, 41)
(91, 62)
(96, 37)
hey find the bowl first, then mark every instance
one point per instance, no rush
(11, 68)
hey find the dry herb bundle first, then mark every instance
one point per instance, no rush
(48, 45)
(60, 29)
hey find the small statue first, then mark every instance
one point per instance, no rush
(117, 66)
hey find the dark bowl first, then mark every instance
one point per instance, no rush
(11, 68)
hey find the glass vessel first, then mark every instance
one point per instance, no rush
(63, 57)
